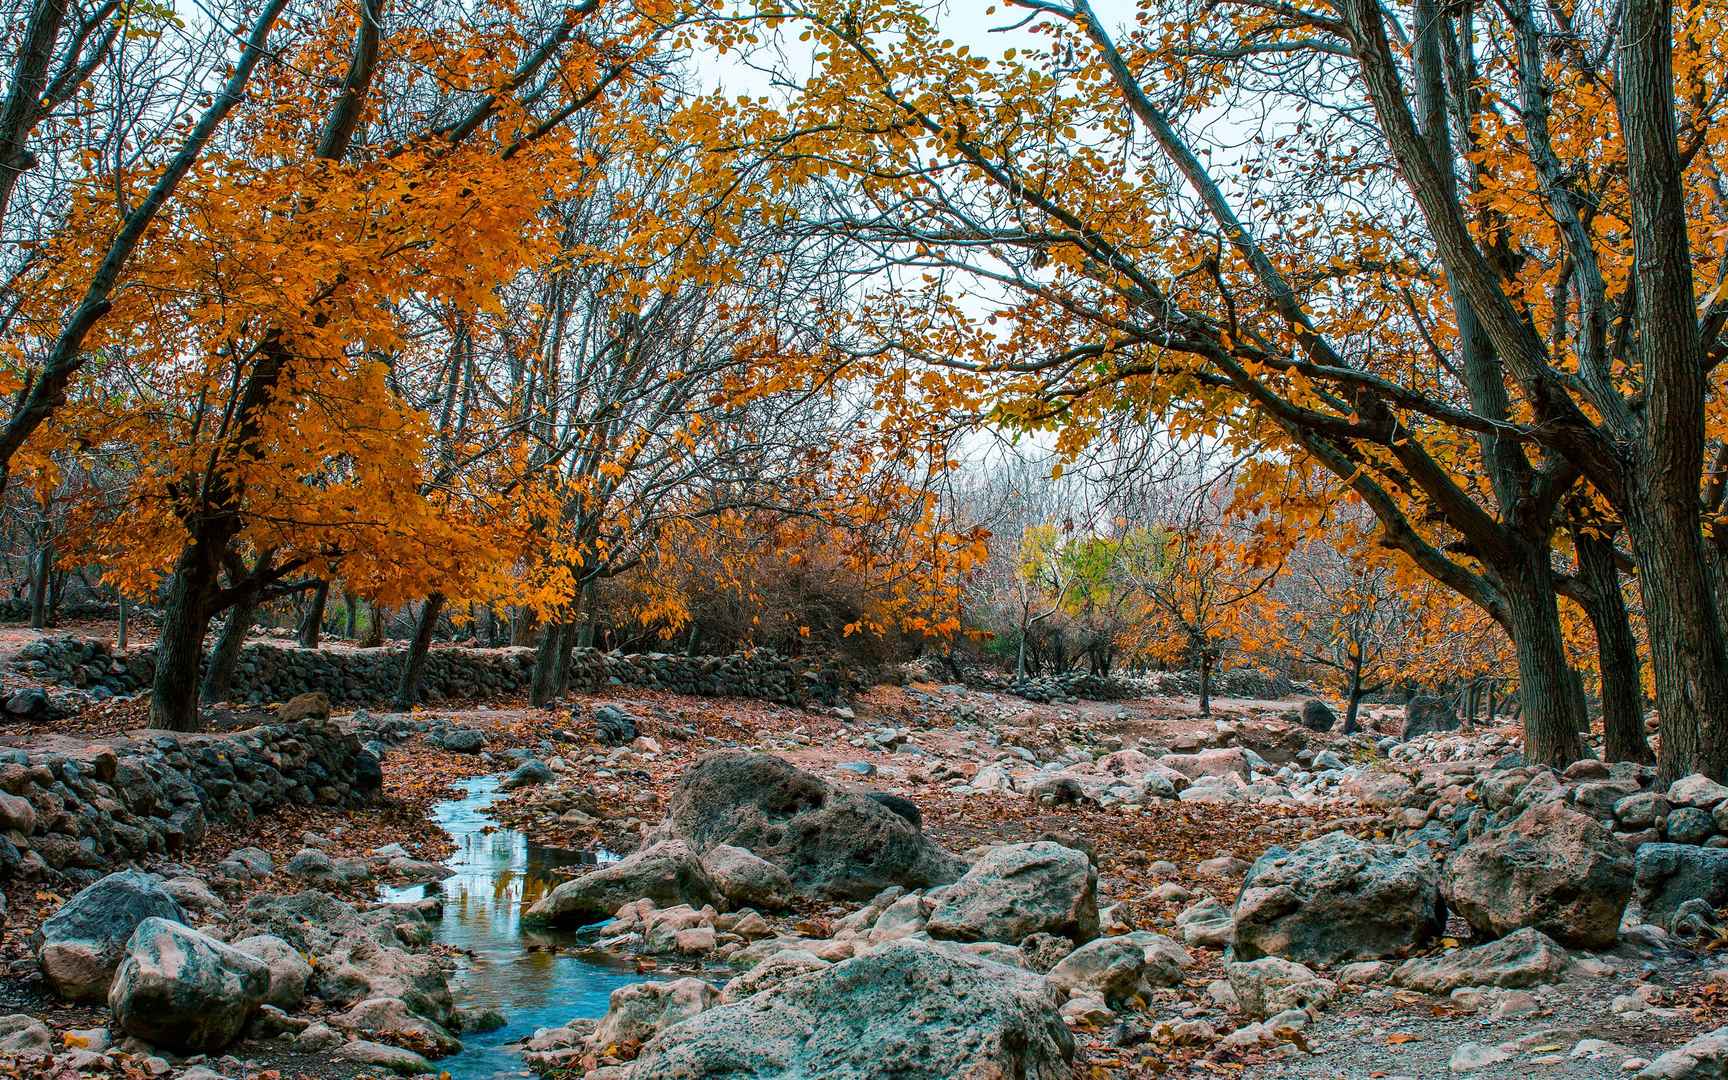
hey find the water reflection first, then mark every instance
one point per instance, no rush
(498, 875)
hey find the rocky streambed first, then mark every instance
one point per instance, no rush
(519, 978)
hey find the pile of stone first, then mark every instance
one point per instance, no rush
(268, 671)
(77, 812)
(172, 989)
(1071, 686)
(948, 968)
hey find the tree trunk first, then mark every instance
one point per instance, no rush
(1353, 701)
(352, 603)
(374, 637)
(225, 657)
(414, 662)
(1686, 651)
(1205, 682)
(1662, 482)
(312, 623)
(120, 637)
(1553, 710)
(1616, 649)
(39, 585)
(180, 642)
(553, 641)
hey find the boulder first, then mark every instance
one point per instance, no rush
(309, 706)
(1551, 868)
(1668, 875)
(1271, 985)
(1336, 898)
(1522, 958)
(289, 971)
(80, 945)
(21, 1034)
(1220, 763)
(394, 1059)
(1703, 1058)
(390, 1020)
(462, 740)
(16, 814)
(1427, 714)
(1697, 790)
(531, 773)
(1317, 715)
(184, 990)
(747, 881)
(667, 873)
(831, 842)
(783, 965)
(1020, 889)
(1206, 924)
(637, 1013)
(613, 726)
(910, 1010)
(1117, 969)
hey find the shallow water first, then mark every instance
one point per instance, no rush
(499, 875)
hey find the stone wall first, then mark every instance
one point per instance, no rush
(81, 810)
(272, 672)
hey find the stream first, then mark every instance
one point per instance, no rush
(515, 969)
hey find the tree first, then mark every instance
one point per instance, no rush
(1387, 333)
(265, 334)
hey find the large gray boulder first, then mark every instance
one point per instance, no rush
(1427, 714)
(747, 880)
(1337, 898)
(1017, 890)
(667, 873)
(1668, 875)
(830, 841)
(180, 989)
(910, 1010)
(80, 945)
(1703, 1058)
(1317, 715)
(1522, 958)
(1551, 868)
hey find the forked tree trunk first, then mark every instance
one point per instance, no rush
(414, 661)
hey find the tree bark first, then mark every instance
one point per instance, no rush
(1205, 682)
(39, 584)
(312, 622)
(225, 657)
(1353, 701)
(1666, 468)
(374, 626)
(554, 640)
(180, 642)
(414, 662)
(1553, 709)
(352, 603)
(1623, 736)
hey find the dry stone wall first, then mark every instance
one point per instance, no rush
(272, 672)
(81, 811)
